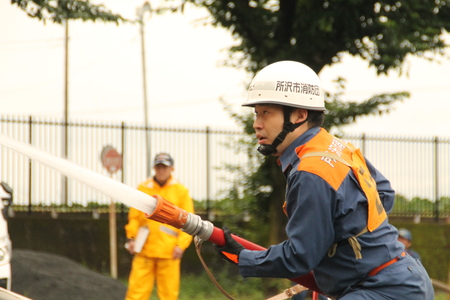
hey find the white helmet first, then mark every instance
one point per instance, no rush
(287, 83)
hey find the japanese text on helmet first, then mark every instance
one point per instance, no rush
(297, 87)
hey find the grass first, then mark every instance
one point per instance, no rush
(201, 287)
(442, 296)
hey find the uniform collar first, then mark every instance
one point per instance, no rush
(289, 155)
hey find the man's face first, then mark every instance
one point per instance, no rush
(405, 242)
(162, 172)
(268, 124)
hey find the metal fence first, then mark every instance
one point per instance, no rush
(199, 154)
(418, 168)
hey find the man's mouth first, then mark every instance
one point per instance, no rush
(261, 139)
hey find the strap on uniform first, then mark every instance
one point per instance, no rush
(352, 240)
(329, 155)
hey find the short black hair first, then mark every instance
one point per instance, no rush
(315, 118)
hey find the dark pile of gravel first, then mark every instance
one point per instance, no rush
(45, 276)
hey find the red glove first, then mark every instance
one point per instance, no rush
(230, 251)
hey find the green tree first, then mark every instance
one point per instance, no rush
(318, 33)
(59, 10)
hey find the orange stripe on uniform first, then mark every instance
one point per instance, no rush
(330, 158)
(392, 261)
(331, 171)
(317, 166)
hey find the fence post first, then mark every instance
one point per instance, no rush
(123, 165)
(30, 164)
(208, 205)
(363, 143)
(436, 177)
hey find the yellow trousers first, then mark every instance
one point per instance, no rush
(146, 271)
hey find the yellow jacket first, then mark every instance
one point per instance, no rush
(162, 238)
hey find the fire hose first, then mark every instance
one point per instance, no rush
(156, 208)
(167, 213)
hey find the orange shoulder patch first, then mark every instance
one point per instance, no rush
(333, 172)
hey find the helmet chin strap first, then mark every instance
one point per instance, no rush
(288, 127)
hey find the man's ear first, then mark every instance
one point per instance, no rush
(299, 115)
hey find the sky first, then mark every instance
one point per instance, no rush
(184, 78)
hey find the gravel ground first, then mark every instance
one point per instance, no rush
(44, 276)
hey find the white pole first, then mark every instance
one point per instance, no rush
(112, 237)
(140, 14)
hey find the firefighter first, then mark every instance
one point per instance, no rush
(159, 259)
(405, 237)
(336, 201)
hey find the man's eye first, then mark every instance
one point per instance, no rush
(264, 112)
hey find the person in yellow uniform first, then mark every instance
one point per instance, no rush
(159, 259)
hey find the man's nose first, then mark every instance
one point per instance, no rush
(257, 124)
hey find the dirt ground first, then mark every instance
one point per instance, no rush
(44, 276)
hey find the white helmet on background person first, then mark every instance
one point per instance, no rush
(287, 83)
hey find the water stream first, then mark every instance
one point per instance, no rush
(112, 188)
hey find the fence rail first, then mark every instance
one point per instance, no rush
(418, 168)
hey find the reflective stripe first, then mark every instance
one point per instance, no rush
(168, 231)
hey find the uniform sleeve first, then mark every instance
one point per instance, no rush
(186, 203)
(387, 194)
(132, 226)
(310, 232)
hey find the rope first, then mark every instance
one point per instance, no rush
(287, 294)
(198, 246)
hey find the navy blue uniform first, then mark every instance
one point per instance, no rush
(326, 206)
